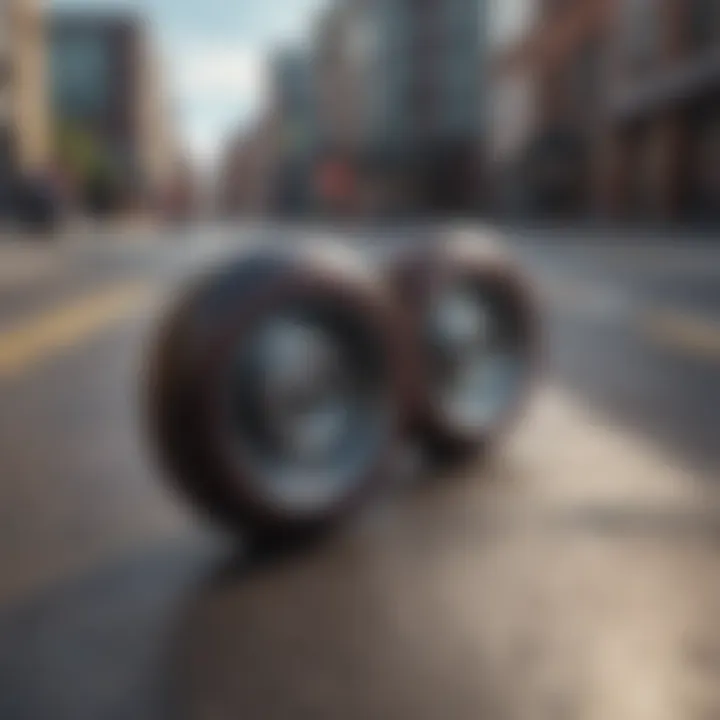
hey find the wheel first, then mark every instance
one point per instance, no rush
(475, 328)
(277, 391)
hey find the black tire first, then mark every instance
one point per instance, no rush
(417, 276)
(196, 347)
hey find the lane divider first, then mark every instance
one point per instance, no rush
(674, 330)
(53, 332)
(690, 333)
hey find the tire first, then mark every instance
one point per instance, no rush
(420, 278)
(209, 398)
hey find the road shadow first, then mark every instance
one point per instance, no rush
(394, 616)
(100, 645)
(132, 638)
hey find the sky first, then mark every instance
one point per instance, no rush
(213, 55)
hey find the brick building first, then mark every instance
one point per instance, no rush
(561, 57)
(624, 121)
(664, 112)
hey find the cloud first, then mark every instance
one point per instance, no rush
(207, 72)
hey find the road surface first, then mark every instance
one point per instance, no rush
(576, 574)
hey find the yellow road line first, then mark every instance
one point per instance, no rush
(43, 337)
(692, 334)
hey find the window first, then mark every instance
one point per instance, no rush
(81, 74)
(510, 20)
(643, 36)
(704, 22)
(586, 80)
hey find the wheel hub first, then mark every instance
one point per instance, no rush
(306, 389)
(477, 367)
(308, 405)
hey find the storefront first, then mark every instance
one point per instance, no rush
(7, 172)
(703, 197)
(557, 168)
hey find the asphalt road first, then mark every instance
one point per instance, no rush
(576, 574)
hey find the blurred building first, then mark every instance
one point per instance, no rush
(182, 197)
(425, 116)
(246, 184)
(620, 110)
(552, 72)
(24, 113)
(294, 107)
(269, 167)
(106, 87)
(512, 99)
(161, 157)
(340, 97)
(664, 111)
(339, 93)
(386, 113)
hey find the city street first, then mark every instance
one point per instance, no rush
(574, 574)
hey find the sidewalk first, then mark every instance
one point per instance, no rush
(25, 261)
(28, 259)
(80, 230)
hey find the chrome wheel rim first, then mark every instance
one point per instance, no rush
(478, 359)
(309, 408)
